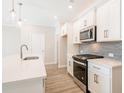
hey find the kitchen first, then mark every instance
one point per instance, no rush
(78, 50)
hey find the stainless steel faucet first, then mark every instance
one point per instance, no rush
(21, 53)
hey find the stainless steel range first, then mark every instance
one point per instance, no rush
(80, 69)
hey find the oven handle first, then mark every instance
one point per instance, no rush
(79, 63)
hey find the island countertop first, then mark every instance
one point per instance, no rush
(15, 69)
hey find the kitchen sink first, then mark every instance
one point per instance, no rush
(31, 58)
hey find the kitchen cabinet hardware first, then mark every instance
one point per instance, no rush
(97, 79)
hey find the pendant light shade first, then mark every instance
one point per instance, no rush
(20, 14)
(13, 13)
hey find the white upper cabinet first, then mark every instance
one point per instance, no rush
(76, 32)
(88, 19)
(108, 21)
(64, 29)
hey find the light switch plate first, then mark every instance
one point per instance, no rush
(110, 54)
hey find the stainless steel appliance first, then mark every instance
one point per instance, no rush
(80, 70)
(88, 34)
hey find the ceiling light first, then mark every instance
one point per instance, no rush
(71, 1)
(13, 10)
(70, 6)
(55, 17)
(19, 22)
(20, 19)
(25, 20)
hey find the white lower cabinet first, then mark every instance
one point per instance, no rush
(98, 82)
(70, 66)
(102, 79)
(36, 85)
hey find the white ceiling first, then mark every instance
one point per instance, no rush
(42, 12)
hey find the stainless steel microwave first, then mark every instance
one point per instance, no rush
(88, 34)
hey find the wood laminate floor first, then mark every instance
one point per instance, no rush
(58, 81)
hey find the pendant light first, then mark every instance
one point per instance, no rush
(20, 15)
(70, 4)
(13, 13)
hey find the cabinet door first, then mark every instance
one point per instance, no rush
(91, 18)
(87, 20)
(108, 21)
(98, 82)
(62, 31)
(83, 22)
(76, 33)
(70, 66)
(102, 23)
(114, 20)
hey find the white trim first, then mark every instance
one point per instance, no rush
(50, 63)
(62, 66)
(31, 24)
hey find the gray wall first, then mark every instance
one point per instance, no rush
(103, 49)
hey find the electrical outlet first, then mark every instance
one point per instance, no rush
(110, 54)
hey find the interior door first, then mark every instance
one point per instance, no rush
(38, 44)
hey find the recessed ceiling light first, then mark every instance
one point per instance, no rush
(25, 20)
(55, 17)
(70, 6)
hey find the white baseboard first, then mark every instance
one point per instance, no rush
(62, 66)
(49, 63)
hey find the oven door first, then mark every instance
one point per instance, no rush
(80, 72)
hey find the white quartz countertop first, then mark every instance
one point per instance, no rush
(14, 69)
(107, 62)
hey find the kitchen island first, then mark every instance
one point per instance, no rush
(23, 76)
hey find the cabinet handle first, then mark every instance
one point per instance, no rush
(105, 33)
(97, 79)
(85, 22)
(94, 77)
(69, 63)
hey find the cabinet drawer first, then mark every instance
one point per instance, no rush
(98, 68)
